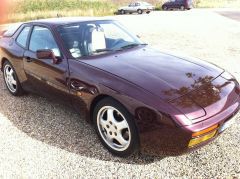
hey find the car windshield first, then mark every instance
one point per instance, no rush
(96, 37)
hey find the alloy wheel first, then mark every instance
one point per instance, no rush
(10, 78)
(113, 128)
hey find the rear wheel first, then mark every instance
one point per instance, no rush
(115, 127)
(11, 80)
(165, 8)
(139, 11)
(182, 8)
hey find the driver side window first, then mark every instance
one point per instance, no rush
(41, 39)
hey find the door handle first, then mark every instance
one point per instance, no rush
(28, 59)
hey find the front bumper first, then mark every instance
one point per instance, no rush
(167, 140)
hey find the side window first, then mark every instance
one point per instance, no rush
(23, 36)
(132, 5)
(41, 39)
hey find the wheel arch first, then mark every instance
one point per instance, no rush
(3, 60)
(98, 99)
(94, 103)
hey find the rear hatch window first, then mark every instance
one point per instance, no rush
(9, 31)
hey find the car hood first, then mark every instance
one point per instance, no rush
(161, 74)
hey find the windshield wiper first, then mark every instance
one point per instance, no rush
(103, 50)
(122, 48)
(131, 46)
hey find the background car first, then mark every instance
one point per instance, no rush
(136, 7)
(178, 4)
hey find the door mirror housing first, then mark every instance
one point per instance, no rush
(46, 54)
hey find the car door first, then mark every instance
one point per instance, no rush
(47, 78)
(179, 3)
(131, 7)
(170, 4)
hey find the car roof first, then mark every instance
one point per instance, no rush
(66, 20)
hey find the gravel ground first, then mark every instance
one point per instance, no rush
(40, 138)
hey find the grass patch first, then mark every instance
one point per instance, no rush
(24, 10)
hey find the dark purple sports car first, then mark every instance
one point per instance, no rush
(138, 99)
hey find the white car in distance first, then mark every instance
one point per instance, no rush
(136, 7)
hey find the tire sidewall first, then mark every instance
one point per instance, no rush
(134, 143)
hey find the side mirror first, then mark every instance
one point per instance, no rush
(47, 54)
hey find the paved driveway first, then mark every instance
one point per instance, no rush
(40, 138)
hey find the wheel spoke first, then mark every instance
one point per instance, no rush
(122, 125)
(110, 116)
(11, 72)
(103, 123)
(14, 82)
(109, 138)
(121, 140)
(8, 71)
(11, 85)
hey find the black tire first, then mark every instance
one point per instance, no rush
(165, 8)
(122, 12)
(18, 91)
(139, 11)
(182, 8)
(148, 12)
(133, 140)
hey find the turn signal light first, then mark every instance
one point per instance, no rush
(199, 140)
(195, 134)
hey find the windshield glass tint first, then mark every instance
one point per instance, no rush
(90, 38)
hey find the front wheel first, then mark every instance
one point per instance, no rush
(11, 80)
(115, 128)
(165, 8)
(122, 12)
(139, 11)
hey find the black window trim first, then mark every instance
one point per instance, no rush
(43, 26)
(21, 29)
